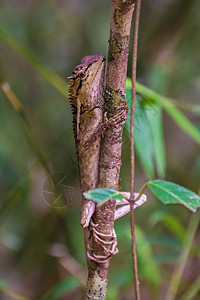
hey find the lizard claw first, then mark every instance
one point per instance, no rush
(117, 120)
(105, 117)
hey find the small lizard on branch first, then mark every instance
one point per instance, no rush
(89, 122)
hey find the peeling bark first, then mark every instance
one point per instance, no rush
(110, 159)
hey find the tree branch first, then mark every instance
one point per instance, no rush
(110, 160)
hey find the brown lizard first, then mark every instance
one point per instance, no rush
(89, 121)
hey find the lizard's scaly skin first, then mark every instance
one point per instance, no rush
(87, 100)
(86, 97)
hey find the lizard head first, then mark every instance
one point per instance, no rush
(87, 82)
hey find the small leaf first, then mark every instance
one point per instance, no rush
(169, 192)
(154, 117)
(102, 195)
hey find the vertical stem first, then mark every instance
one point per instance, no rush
(110, 157)
(133, 94)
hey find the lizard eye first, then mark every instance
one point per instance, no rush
(82, 75)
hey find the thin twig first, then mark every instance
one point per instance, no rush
(133, 94)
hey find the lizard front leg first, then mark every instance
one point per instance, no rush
(96, 129)
(91, 139)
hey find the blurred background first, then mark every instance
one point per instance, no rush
(41, 242)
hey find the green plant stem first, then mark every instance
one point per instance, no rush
(187, 244)
(143, 188)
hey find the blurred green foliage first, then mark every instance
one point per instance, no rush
(41, 42)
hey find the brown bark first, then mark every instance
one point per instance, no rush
(110, 160)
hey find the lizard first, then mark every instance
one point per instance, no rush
(86, 90)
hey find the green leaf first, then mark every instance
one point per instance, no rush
(149, 140)
(102, 195)
(158, 78)
(170, 108)
(154, 118)
(169, 193)
(60, 289)
(143, 139)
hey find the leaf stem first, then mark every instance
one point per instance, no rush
(143, 188)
